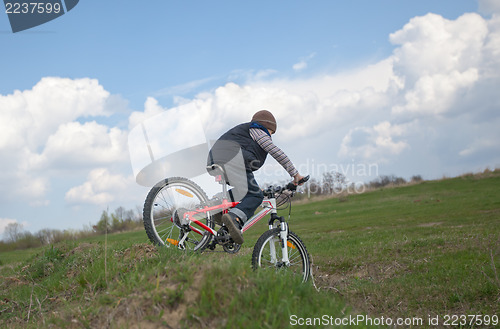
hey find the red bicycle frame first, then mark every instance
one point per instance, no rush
(268, 206)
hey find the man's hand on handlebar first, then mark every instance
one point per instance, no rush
(298, 179)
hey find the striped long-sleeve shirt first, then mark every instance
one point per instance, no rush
(265, 141)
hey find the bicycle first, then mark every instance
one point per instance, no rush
(177, 212)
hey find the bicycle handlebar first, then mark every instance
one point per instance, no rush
(293, 187)
(290, 186)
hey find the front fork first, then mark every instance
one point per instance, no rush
(283, 239)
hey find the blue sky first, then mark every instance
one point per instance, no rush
(138, 49)
(406, 85)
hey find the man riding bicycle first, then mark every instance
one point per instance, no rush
(251, 141)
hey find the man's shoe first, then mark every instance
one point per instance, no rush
(234, 227)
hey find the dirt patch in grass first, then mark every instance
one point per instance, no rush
(374, 272)
(13, 281)
(139, 252)
(175, 315)
(490, 211)
(432, 224)
(164, 307)
(80, 248)
(348, 284)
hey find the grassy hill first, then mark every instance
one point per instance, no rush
(414, 252)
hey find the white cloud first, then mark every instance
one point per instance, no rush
(431, 45)
(4, 222)
(299, 66)
(489, 6)
(480, 145)
(491, 51)
(375, 144)
(439, 60)
(40, 134)
(151, 108)
(33, 189)
(302, 64)
(250, 75)
(76, 145)
(183, 88)
(101, 188)
(436, 94)
(29, 117)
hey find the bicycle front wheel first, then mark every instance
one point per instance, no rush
(164, 210)
(268, 253)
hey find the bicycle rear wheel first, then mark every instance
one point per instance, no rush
(297, 253)
(164, 210)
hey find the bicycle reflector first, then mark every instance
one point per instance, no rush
(289, 244)
(172, 241)
(183, 192)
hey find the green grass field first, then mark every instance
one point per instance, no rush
(415, 252)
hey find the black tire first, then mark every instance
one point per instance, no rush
(167, 201)
(297, 253)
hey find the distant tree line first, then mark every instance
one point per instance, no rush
(16, 237)
(120, 220)
(335, 183)
(392, 180)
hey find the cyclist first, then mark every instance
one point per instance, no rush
(252, 141)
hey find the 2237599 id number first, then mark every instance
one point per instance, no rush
(32, 8)
(470, 320)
